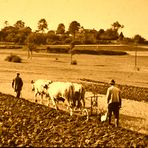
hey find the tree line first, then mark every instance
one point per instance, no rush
(76, 34)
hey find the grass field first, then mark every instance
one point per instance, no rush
(102, 68)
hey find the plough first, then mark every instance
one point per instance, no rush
(89, 110)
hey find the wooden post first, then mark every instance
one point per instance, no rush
(136, 58)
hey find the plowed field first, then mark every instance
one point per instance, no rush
(24, 123)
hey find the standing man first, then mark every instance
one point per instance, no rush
(114, 102)
(17, 84)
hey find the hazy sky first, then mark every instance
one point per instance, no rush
(97, 14)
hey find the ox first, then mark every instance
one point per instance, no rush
(79, 95)
(73, 93)
(60, 91)
(38, 87)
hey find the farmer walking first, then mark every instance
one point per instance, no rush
(114, 102)
(17, 85)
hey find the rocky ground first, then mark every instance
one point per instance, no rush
(23, 123)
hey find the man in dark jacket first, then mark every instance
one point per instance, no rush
(17, 84)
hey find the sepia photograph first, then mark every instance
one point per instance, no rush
(74, 73)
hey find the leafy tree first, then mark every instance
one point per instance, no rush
(60, 29)
(31, 38)
(73, 28)
(22, 35)
(51, 32)
(19, 24)
(138, 39)
(52, 37)
(31, 43)
(8, 34)
(90, 36)
(110, 34)
(117, 26)
(1, 36)
(42, 25)
(16, 33)
(121, 36)
(99, 33)
(6, 24)
(36, 38)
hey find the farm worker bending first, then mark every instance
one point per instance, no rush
(17, 84)
(114, 102)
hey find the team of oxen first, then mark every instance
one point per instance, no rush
(71, 93)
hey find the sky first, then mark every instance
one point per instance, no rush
(91, 14)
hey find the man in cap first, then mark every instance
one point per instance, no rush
(114, 102)
(17, 84)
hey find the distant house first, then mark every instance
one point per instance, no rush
(86, 35)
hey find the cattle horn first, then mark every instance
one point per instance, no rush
(32, 81)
